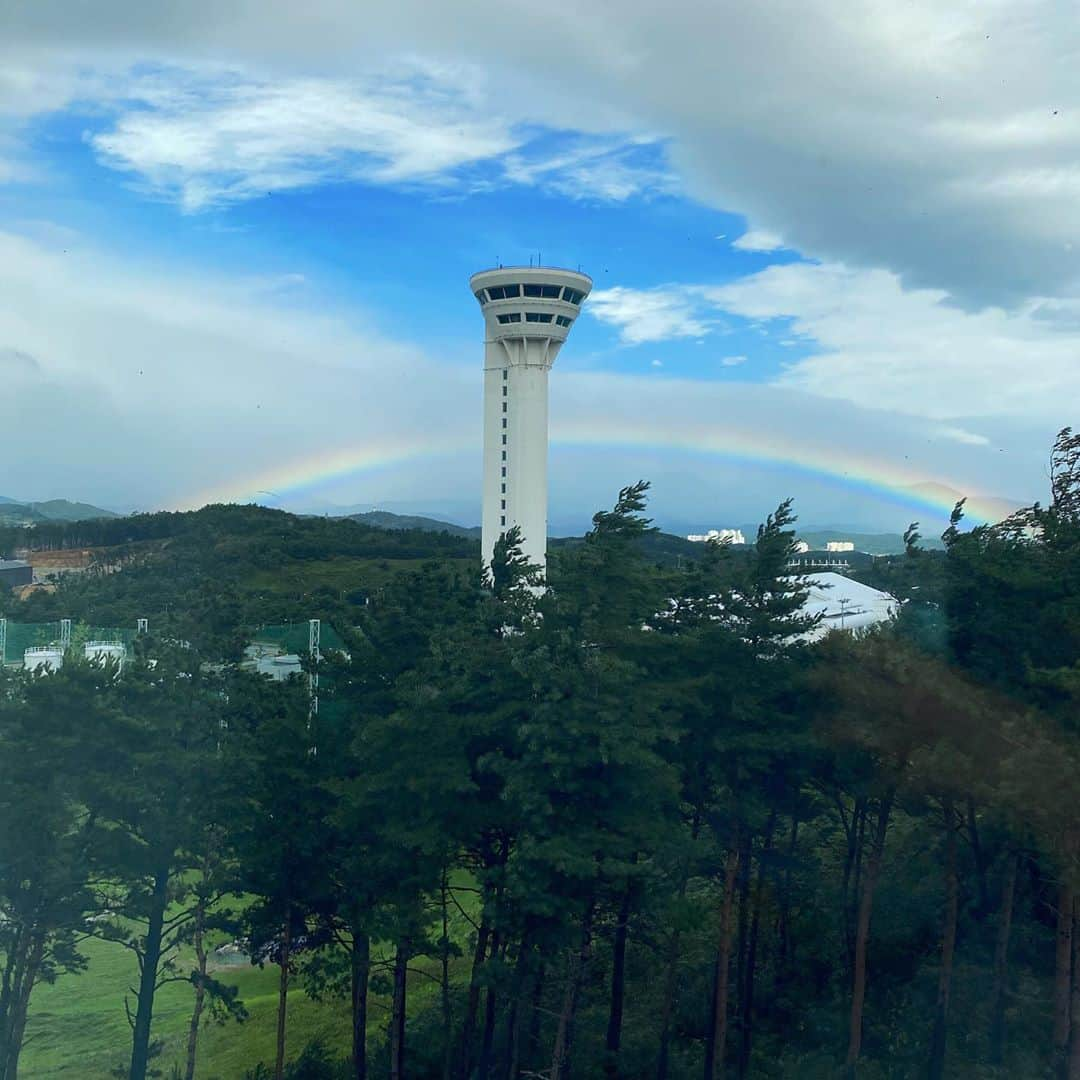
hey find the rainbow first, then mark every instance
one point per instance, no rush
(876, 477)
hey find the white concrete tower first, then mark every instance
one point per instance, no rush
(528, 311)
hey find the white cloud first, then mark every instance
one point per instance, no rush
(732, 361)
(647, 315)
(218, 137)
(613, 169)
(211, 378)
(214, 381)
(962, 435)
(880, 345)
(758, 240)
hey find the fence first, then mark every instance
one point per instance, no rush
(16, 638)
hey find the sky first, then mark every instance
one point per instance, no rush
(834, 250)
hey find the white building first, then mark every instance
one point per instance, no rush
(528, 311)
(845, 604)
(839, 545)
(801, 547)
(718, 536)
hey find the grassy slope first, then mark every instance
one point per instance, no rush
(77, 1027)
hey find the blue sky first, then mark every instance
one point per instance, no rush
(233, 251)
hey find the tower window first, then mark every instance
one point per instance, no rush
(538, 316)
(503, 486)
(506, 375)
(480, 296)
(503, 501)
(571, 296)
(504, 292)
(504, 406)
(514, 316)
(504, 421)
(504, 443)
(562, 320)
(550, 292)
(505, 389)
(504, 455)
(504, 468)
(502, 520)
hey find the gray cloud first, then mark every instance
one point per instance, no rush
(937, 141)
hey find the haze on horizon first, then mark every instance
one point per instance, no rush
(234, 253)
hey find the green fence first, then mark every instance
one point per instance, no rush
(294, 637)
(18, 637)
(287, 637)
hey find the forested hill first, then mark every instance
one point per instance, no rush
(214, 573)
(11, 510)
(225, 568)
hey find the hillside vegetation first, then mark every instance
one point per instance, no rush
(630, 825)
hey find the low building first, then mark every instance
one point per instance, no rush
(839, 545)
(718, 536)
(811, 561)
(801, 547)
(15, 572)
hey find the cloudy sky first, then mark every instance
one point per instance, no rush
(835, 249)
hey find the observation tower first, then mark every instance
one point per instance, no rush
(528, 311)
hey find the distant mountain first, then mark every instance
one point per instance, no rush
(11, 510)
(383, 519)
(990, 508)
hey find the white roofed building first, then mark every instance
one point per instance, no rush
(845, 604)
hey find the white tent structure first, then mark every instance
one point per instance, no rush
(845, 604)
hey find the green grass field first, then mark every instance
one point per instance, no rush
(77, 1027)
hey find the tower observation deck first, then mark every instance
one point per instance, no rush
(528, 312)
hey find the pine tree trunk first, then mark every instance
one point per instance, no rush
(745, 867)
(444, 981)
(516, 1006)
(564, 1035)
(535, 1015)
(21, 1006)
(980, 859)
(397, 1014)
(200, 988)
(667, 1005)
(490, 998)
(472, 1005)
(1074, 1047)
(938, 1038)
(613, 1041)
(671, 968)
(14, 968)
(716, 1039)
(747, 1033)
(853, 833)
(359, 970)
(1063, 969)
(784, 927)
(283, 997)
(13, 962)
(140, 1046)
(1001, 961)
(862, 934)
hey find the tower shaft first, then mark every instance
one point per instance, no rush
(527, 314)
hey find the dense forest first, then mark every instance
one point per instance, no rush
(636, 824)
